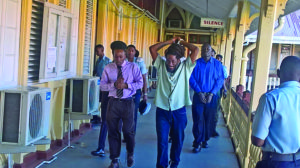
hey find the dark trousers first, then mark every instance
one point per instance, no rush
(219, 97)
(277, 164)
(120, 110)
(203, 119)
(137, 99)
(103, 129)
(177, 121)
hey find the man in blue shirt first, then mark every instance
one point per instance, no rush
(276, 125)
(99, 67)
(222, 93)
(206, 80)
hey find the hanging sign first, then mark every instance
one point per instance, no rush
(213, 23)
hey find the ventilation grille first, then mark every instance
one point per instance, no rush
(11, 117)
(63, 3)
(88, 37)
(35, 116)
(35, 41)
(92, 95)
(77, 102)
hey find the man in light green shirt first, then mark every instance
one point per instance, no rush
(172, 95)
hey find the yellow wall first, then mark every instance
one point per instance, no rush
(143, 29)
(146, 29)
(56, 129)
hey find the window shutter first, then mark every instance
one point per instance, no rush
(35, 41)
(88, 37)
(63, 3)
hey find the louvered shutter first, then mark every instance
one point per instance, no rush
(35, 41)
(63, 3)
(88, 37)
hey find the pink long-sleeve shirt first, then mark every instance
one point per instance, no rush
(131, 74)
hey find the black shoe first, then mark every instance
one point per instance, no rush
(171, 163)
(98, 153)
(130, 160)
(197, 149)
(215, 134)
(204, 144)
(114, 165)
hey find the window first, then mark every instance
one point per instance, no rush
(199, 39)
(56, 43)
(10, 17)
(88, 37)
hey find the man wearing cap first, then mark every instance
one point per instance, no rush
(121, 79)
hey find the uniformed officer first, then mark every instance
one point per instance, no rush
(276, 125)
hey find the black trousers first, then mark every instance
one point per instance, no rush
(120, 110)
(103, 130)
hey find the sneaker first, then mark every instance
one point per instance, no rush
(130, 160)
(99, 152)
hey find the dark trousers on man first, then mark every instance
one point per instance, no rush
(177, 121)
(120, 109)
(103, 129)
(137, 99)
(278, 164)
(203, 119)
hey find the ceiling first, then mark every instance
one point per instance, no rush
(223, 9)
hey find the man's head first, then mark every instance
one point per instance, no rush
(173, 55)
(99, 50)
(213, 52)
(131, 52)
(289, 69)
(206, 52)
(219, 57)
(118, 49)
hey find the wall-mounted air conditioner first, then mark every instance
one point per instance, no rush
(175, 24)
(82, 95)
(24, 115)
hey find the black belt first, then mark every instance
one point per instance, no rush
(122, 100)
(281, 157)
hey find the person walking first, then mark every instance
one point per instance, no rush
(206, 80)
(121, 79)
(172, 95)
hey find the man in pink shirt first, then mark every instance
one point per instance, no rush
(121, 79)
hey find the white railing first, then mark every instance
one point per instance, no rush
(273, 82)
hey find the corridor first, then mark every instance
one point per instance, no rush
(219, 154)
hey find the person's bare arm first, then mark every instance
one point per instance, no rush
(194, 49)
(156, 47)
(145, 87)
(257, 141)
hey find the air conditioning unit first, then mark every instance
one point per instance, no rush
(82, 95)
(24, 115)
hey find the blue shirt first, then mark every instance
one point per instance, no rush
(100, 64)
(277, 119)
(225, 71)
(207, 77)
(141, 64)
